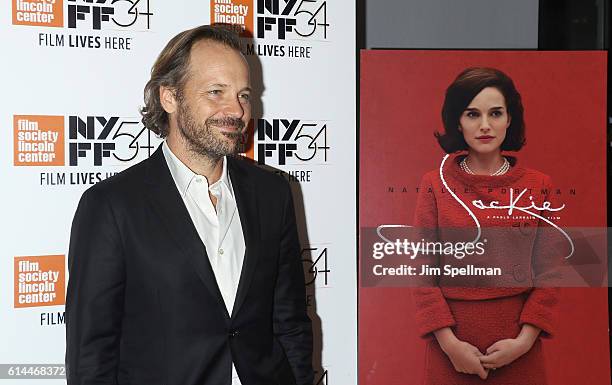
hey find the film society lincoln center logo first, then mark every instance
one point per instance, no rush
(40, 281)
(40, 140)
(238, 13)
(48, 13)
(278, 19)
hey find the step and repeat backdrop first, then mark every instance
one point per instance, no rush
(74, 77)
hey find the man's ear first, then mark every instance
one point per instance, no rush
(167, 97)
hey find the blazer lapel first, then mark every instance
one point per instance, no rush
(173, 214)
(244, 190)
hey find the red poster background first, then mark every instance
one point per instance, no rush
(564, 95)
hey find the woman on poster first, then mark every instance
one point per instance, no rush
(489, 328)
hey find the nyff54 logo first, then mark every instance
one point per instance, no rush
(117, 13)
(104, 139)
(92, 140)
(291, 141)
(292, 19)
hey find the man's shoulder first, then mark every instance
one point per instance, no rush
(267, 178)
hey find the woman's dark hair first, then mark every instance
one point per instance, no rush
(460, 93)
(171, 69)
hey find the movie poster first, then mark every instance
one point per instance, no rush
(483, 218)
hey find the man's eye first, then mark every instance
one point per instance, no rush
(245, 97)
(214, 92)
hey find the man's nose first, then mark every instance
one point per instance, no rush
(233, 108)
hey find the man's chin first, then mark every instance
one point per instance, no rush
(232, 147)
(233, 135)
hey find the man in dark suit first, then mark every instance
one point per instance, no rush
(185, 268)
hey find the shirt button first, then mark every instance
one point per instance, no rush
(233, 333)
(199, 180)
(220, 251)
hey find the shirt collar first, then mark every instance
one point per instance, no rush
(183, 176)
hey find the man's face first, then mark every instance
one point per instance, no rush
(213, 108)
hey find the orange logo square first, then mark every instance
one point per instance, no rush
(45, 13)
(238, 13)
(38, 140)
(40, 281)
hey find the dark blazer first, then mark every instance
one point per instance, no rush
(143, 305)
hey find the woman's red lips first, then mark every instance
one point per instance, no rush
(485, 139)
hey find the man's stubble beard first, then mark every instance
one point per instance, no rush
(201, 138)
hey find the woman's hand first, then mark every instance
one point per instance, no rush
(504, 352)
(464, 356)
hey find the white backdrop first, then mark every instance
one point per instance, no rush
(74, 75)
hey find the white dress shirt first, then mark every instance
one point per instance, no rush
(220, 230)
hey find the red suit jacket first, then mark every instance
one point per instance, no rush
(520, 244)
